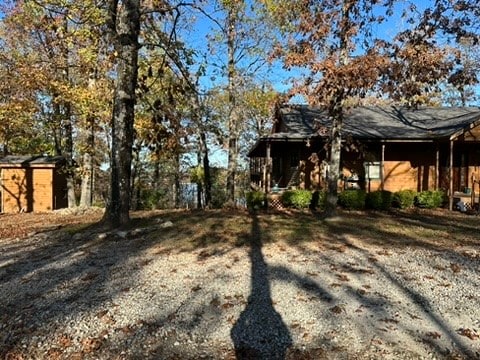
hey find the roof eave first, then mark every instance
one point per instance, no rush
(460, 132)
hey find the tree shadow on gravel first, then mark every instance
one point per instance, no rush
(259, 332)
(51, 278)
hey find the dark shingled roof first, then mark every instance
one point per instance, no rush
(31, 161)
(378, 123)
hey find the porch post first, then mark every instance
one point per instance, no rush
(450, 199)
(382, 179)
(269, 168)
(437, 168)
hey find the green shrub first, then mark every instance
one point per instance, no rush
(352, 199)
(255, 200)
(151, 200)
(299, 199)
(430, 199)
(379, 200)
(404, 199)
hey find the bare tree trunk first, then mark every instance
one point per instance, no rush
(125, 32)
(177, 184)
(135, 179)
(335, 160)
(232, 120)
(336, 112)
(199, 183)
(86, 194)
(87, 180)
(63, 135)
(206, 170)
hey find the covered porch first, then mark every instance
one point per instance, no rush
(452, 165)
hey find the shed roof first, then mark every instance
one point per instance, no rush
(22, 161)
(378, 123)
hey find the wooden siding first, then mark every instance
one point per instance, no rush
(25, 190)
(406, 165)
(42, 190)
(14, 190)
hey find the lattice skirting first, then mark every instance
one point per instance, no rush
(275, 202)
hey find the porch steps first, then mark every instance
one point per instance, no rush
(294, 177)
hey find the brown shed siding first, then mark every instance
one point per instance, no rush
(42, 190)
(32, 184)
(14, 185)
(27, 190)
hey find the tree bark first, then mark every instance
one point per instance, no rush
(86, 195)
(336, 112)
(334, 170)
(177, 185)
(206, 169)
(232, 120)
(125, 31)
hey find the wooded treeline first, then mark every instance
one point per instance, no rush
(141, 96)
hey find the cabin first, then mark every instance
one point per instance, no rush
(32, 183)
(383, 148)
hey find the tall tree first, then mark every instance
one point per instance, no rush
(53, 47)
(124, 30)
(238, 43)
(333, 42)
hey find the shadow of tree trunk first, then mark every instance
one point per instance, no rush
(259, 332)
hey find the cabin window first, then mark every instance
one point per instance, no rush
(373, 170)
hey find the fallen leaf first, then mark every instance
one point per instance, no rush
(336, 309)
(361, 292)
(343, 277)
(455, 268)
(227, 305)
(14, 355)
(471, 334)
(101, 313)
(433, 335)
(53, 354)
(89, 345)
(127, 330)
(90, 276)
(215, 302)
(65, 341)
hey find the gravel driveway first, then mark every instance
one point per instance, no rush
(122, 295)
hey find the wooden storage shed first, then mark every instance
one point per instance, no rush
(32, 183)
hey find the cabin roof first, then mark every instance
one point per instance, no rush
(20, 161)
(374, 123)
(378, 123)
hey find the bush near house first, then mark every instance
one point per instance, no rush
(352, 199)
(379, 200)
(299, 199)
(404, 199)
(430, 199)
(255, 200)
